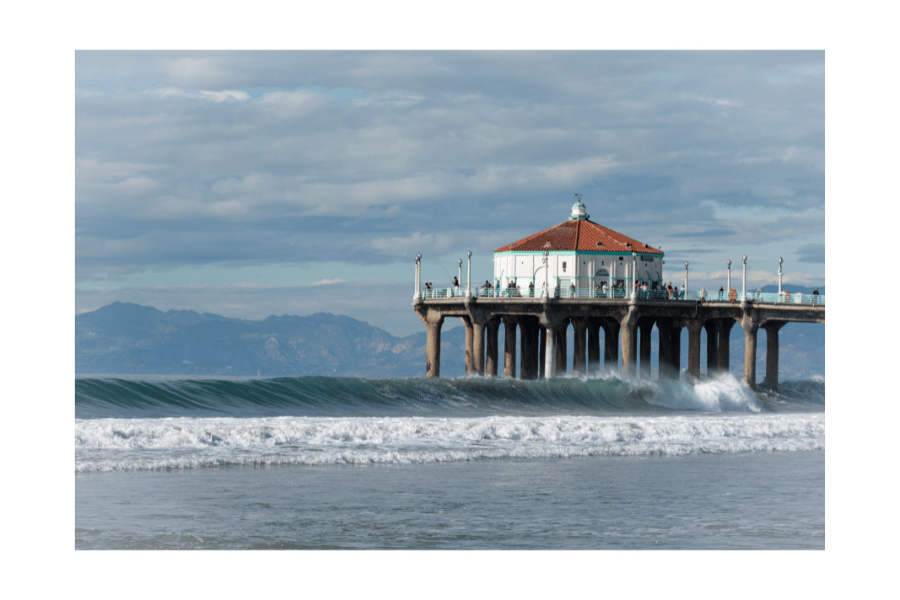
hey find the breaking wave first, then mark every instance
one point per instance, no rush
(346, 396)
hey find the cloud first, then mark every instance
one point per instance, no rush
(708, 154)
(434, 243)
(207, 71)
(811, 253)
(226, 95)
(215, 96)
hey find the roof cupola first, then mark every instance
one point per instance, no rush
(579, 212)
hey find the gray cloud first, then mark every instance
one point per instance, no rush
(811, 253)
(435, 152)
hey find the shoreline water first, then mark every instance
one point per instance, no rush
(701, 502)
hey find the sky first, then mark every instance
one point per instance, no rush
(253, 183)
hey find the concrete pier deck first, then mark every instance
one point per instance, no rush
(541, 325)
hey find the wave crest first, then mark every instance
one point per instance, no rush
(339, 396)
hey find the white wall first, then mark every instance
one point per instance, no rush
(522, 268)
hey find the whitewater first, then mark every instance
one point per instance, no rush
(164, 424)
(288, 442)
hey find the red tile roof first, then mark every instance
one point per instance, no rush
(580, 235)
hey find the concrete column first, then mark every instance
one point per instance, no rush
(509, 348)
(676, 350)
(629, 344)
(549, 353)
(611, 346)
(579, 328)
(750, 326)
(724, 326)
(542, 354)
(712, 352)
(534, 338)
(433, 347)
(491, 329)
(695, 327)
(772, 329)
(561, 350)
(665, 349)
(593, 347)
(470, 352)
(529, 349)
(478, 347)
(646, 329)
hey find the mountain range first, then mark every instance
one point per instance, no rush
(130, 339)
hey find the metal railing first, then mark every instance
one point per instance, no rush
(619, 293)
(784, 298)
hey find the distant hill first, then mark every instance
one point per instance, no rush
(124, 338)
(130, 339)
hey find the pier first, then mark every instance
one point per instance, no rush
(626, 306)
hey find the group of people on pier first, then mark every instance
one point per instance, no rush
(601, 290)
(644, 290)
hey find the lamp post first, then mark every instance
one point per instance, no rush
(469, 276)
(418, 293)
(545, 293)
(744, 291)
(591, 278)
(728, 289)
(460, 276)
(780, 260)
(633, 275)
(685, 279)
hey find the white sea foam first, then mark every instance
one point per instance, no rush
(140, 444)
(722, 393)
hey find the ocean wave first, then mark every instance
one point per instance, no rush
(345, 396)
(184, 443)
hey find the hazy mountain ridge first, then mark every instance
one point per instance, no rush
(122, 338)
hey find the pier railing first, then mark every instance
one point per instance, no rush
(619, 293)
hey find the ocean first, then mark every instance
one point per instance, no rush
(322, 463)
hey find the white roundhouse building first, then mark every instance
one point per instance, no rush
(580, 252)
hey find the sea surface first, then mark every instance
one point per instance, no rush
(471, 463)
